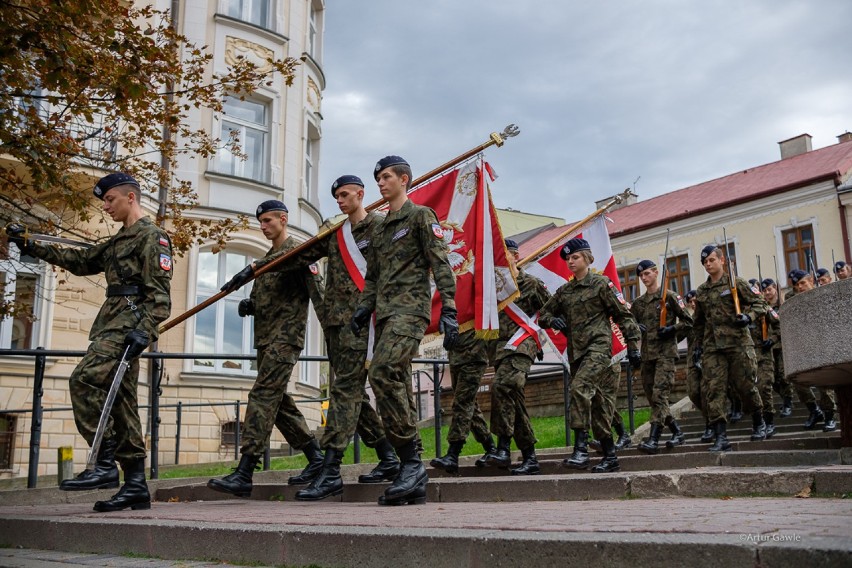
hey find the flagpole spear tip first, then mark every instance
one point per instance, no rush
(508, 132)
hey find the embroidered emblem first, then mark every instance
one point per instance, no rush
(314, 269)
(680, 302)
(773, 313)
(164, 241)
(165, 262)
(399, 234)
(615, 291)
(437, 230)
(363, 244)
(755, 289)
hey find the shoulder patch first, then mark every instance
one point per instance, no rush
(773, 313)
(615, 291)
(437, 230)
(680, 302)
(165, 262)
(755, 289)
(164, 241)
(314, 269)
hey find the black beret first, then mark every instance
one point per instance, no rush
(271, 205)
(796, 275)
(839, 265)
(752, 281)
(644, 265)
(691, 294)
(387, 162)
(345, 180)
(511, 245)
(790, 274)
(707, 251)
(821, 272)
(767, 282)
(106, 183)
(572, 246)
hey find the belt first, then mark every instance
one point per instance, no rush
(123, 290)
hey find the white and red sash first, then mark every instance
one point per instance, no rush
(527, 327)
(356, 266)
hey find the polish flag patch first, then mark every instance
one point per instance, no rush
(164, 241)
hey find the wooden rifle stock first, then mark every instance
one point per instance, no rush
(664, 307)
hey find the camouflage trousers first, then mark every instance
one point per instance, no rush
(696, 394)
(468, 361)
(349, 408)
(616, 415)
(89, 384)
(765, 379)
(657, 379)
(509, 417)
(397, 343)
(270, 404)
(593, 394)
(782, 385)
(826, 399)
(734, 368)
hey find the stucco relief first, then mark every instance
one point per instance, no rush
(257, 54)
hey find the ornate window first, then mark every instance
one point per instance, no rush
(245, 139)
(255, 12)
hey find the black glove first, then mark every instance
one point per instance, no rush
(449, 326)
(696, 356)
(539, 355)
(558, 324)
(767, 345)
(245, 307)
(666, 332)
(137, 340)
(359, 320)
(742, 320)
(634, 357)
(643, 328)
(239, 280)
(15, 233)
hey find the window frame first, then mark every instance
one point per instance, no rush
(10, 267)
(802, 253)
(245, 9)
(676, 275)
(629, 282)
(229, 164)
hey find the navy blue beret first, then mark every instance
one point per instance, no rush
(691, 294)
(345, 180)
(767, 282)
(821, 272)
(707, 251)
(752, 281)
(387, 162)
(271, 205)
(511, 245)
(572, 246)
(106, 183)
(796, 275)
(644, 265)
(839, 265)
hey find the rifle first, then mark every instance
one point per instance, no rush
(812, 265)
(732, 283)
(664, 309)
(764, 327)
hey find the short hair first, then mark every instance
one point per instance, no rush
(400, 169)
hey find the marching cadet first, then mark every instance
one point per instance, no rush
(581, 308)
(763, 331)
(519, 344)
(405, 246)
(279, 304)
(824, 411)
(842, 270)
(659, 352)
(623, 440)
(137, 263)
(695, 392)
(724, 346)
(782, 385)
(468, 361)
(823, 276)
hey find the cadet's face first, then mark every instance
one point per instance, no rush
(825, 279)
(844, 272)
(648, 276)
(770, 294)
(272, 224)
(117, 205)
(577, 263)
(693, 303)
(805, 284)
(349, 197)
(713, 264)
(390, 184)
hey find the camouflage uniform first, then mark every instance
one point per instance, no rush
(694, 390)
(587, 306)
(509, 417)
(468, 361)
(783, 387)
(280, 301)
(728, 356)
(405, 246)
(137, 264)
(765, 359)
(659, 355)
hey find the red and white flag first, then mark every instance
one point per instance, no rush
(462, 200)
(553, 271)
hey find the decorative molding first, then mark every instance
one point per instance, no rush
(313, 95)
(236, 48)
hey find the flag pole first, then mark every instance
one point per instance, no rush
(494, 139)
(544, 248)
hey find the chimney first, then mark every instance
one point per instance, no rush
(631, 199)
(795, 146)
(845, 137)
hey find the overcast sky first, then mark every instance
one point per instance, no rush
(673, 92)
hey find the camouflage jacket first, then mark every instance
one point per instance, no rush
(139, 255)
(281, 301)
(773, 325)
(586, 306)
(715, 315)
(534, 296)
(646, 309)
(405, 246)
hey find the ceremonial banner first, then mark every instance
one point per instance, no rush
(553, 271)
(462, 200)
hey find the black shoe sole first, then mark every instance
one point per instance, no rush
(102, 507)
(221, 489)
(111, 485)
(334, 493)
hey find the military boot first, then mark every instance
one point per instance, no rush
(530, 464)
(624, 440)
(722, 444)
(239, 482)
(580, 457)
(490, 452)
(416, 497)
(758, 427)
(652, 444)
(388, 467)
(596, 445)
(104, 476)
(315, 459)
(677, 438)
(450, 462)
(610, 461)
(736, 411)
(769, 420)
(709, 434)
(786, 407)
(503, 457)
(830, 424)
(328, 483)
(134, 492)
(815, 416)
(411, 480)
